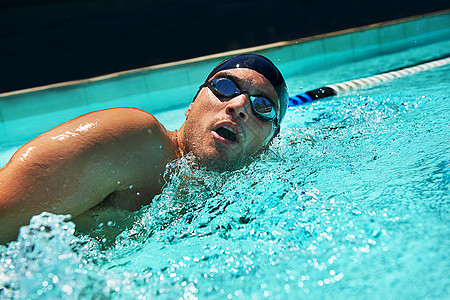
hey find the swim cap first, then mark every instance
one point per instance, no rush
(266, 68)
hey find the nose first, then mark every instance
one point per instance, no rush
(237, 107)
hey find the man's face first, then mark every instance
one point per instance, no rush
(211, 118)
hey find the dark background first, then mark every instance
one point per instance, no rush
(50, 41)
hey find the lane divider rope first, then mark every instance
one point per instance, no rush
(362, 83)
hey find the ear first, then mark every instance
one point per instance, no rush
(188, 111)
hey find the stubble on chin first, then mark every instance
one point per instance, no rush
(222, 162)
(214, 157)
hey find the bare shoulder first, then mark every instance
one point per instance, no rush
(119, 120)
(97, 129)
(129, 114)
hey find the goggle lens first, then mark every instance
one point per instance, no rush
(225, 87)
(262, 105)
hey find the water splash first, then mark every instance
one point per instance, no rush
(351, 200)
(46, 260)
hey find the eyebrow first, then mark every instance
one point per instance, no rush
(262, 93)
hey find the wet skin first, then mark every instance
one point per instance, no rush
(117, 153)
(116, 157)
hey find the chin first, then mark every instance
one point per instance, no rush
(221, 163)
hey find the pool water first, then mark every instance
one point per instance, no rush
(351, 201)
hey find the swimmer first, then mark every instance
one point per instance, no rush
(114, 159)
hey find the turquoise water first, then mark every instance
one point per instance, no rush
(351, 201)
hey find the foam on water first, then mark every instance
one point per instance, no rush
(351, 201)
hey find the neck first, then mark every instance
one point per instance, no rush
(177, 142)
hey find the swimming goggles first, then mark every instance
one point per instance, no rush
(262, 107)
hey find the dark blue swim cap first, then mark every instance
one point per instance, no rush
(266, 68)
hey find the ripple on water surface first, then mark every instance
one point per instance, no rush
(351, 200)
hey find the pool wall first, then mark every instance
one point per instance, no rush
(162, 87)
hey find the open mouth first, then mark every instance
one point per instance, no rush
(226, 133)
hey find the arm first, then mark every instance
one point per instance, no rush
(76, 165)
